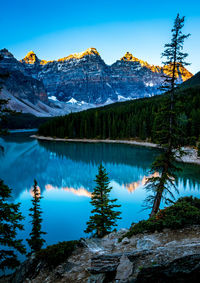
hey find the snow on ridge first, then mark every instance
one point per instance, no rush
(108, 101)
(72, 100)
(149, 84)
(53, 98)
(120, 97)
(108, 85)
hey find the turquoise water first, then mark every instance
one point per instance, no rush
(65, 174)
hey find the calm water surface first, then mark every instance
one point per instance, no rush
(65, 174)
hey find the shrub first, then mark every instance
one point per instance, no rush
(186, 211)
(192, 141)
(56, 254)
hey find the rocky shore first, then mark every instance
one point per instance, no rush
(190, 155)
(168, 256)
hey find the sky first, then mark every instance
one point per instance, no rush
(55, 29)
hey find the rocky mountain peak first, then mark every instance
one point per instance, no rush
(180, 72)
(89, 51)
(30, 58)
(130, 58)
(5, 53)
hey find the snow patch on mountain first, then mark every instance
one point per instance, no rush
(108, 85)
(72, 100)
(149, 84)
(108, 101)
(54, 98)
(120, 98)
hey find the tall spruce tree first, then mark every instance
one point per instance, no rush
(104, 215)
(168, 132)
(10, 223)
(36, 241)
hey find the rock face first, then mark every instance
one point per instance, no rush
(22, 90)
(25, 92)
(173, 256)
(23, 87)
(85, 78)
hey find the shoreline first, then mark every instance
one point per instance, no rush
(13, 131)
(147, 144)
(190, 156)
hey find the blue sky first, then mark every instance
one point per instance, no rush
(55, 29)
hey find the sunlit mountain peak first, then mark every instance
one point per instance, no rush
(31, 58)
(129, 57)
(89, 51)
(181, 71)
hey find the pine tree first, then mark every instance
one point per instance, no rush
(168, 134)
(10, 223)
(36, 242)
(104, 215)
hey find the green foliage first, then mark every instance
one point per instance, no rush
(10, 223)
(193, 81)
(173, 54)
(135, 119)
(168, 134)
(186, 211)
(35, 242)
(23, 121)
(56, 254)
(103, 216)
(168, 130)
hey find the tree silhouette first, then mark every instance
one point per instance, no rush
(10, 223)
(168, 131)
(36, 242)
(104, 215)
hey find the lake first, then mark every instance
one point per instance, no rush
(65, 173)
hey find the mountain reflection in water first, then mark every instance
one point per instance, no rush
(65, 173)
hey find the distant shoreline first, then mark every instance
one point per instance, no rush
(141, 143)
(190, 156)
(22, 130)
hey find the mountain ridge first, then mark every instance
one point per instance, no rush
(31, 58)
(86, 80)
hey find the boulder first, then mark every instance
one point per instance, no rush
(124, 269)
(146, 243)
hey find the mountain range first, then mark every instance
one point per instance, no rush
(77, 82)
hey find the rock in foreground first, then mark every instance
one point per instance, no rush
(168, 256)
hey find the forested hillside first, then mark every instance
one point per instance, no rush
(193, 81)
(133, 119)
(23, 121)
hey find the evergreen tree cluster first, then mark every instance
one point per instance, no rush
(132, 119)
(10, 223)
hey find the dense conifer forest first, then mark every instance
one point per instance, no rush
(133, 119)
(23, 121)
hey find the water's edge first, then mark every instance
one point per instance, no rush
(190, 155)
